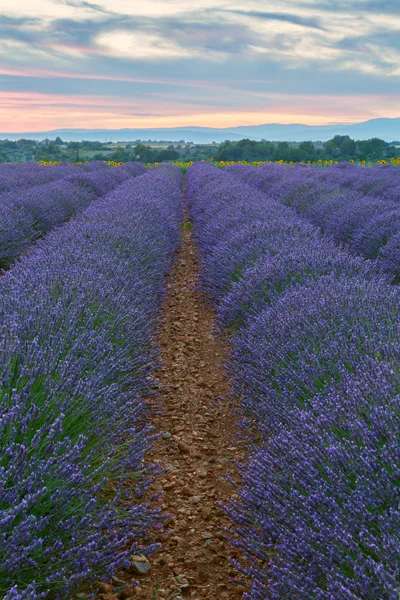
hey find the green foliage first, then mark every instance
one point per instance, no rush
(154, 593)
(339, 148)
(186, 226)
(146, 154)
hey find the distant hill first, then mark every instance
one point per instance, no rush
(386, 129)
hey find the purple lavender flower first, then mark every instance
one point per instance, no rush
(28, 212)
(356, 206)
(315, 362)
(77, 318)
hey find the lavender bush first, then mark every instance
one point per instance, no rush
(373, 237)
(296, 262)
(29, 174)
(27, 214)
(389, 257)
(315, 362)
(319, 512)
(76, 321)
(296, 347)
(357, 206)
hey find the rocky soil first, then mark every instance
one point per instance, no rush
(196, 449)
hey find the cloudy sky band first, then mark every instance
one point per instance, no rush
(156, 63)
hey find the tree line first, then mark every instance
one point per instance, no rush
(339, 148)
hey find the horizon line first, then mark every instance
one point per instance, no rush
(333, 124)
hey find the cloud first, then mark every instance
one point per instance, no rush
(85, 5)
(14, 22)
(17, 28)
(363, 7)
(214, 58)
(285, 17)
(140, 46)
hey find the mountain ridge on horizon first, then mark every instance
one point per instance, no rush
(387, 129)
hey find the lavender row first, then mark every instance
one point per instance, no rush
(76, 323)
(24, 175)
(316, 364)
(27, 214)
(358, 207)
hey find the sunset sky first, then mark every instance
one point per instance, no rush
(167, 63)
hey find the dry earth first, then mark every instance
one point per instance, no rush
(196, 449)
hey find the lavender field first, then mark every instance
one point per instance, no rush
(77, 317)
(302, 266)
(357, 207)
(35, 199)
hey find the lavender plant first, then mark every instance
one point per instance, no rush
(29, 174)
(28, 213)
(355, 205)
(297, 261)
(319, 512)
(315, 362)
(76, 323)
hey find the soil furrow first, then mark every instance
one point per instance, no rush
(196, 447)
(197, 426)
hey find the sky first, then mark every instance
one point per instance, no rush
(215, 63)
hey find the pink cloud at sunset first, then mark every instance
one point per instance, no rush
(39, 112)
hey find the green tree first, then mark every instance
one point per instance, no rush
(164, 155)
(307, 147)
(372, 149)
(143, 153)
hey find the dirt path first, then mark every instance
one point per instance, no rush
(196, 447)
